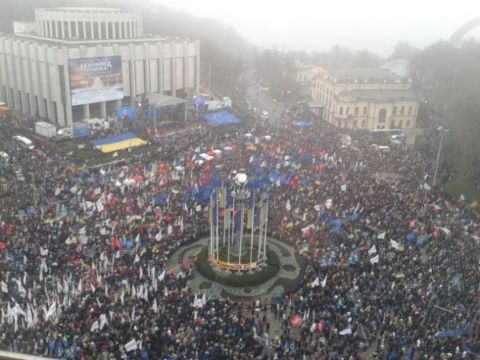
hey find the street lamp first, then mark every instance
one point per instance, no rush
(442, 133)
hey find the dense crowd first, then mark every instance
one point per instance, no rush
(392, 263)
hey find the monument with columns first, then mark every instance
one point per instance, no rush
(238, 218)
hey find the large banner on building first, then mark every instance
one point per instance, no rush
(94, 80)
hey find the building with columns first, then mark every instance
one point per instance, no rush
(365, 98)
(75, 63)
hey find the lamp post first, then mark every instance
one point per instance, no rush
(442, 133)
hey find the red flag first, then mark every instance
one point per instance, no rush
(295, 320)
(320, 326)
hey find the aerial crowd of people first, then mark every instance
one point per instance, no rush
(391, 261)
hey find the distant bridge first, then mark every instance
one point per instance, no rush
(463, 30)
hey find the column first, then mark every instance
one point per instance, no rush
(197, 67)
(99, 24)
(42, 111)
(60, 114)
(173, 68)
(33, 104)
(51, 111)
(56, 30)
(84, 29)
(91, 30)
(50, 28)
(16, 100)
(62, 29)
(25, 102)
(86, 111)
(103, 110)
(76, 30)
(114, 29)
(69, 29)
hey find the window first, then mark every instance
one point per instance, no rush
(402, 110)
(363, 123)
(356, 110)
(347, 110)
(341, 110)
(382, 116)
(410, 110)
(355, 123)
(408, 124)
(394, 110)
(364, 110)
(400, 123)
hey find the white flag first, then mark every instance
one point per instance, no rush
(94, 326)
(51, 311)
(4, 288)
(161, 276)
(343, 187)
(155, 306)
(375, 260)
(373, 250)
(324, 281)
(382, 236)
(346, 331)
(396, 245)
(103, 321)
(131, 345)
(315, 282)
(137, 259)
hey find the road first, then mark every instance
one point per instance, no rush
(262, 100)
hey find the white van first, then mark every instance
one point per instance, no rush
(24, 142)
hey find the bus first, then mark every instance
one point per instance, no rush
(24, 142)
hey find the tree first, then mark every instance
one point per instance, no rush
(448, 79)
(404, 50)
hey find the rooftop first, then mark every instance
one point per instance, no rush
(381, 95)
(369, 74)
(84, 9)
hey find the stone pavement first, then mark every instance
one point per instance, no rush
(289, 270)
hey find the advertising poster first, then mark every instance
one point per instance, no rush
(94, 80)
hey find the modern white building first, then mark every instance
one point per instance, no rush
(76, 63)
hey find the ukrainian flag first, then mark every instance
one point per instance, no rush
(119, 142)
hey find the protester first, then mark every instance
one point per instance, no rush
(392, 263)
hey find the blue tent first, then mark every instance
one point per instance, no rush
(222, 117)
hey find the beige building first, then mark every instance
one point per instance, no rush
(75, 63)
(303, 74)
(365, 98)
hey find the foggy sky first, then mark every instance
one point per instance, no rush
(376, 25)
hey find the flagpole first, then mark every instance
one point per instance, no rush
(265, 236)
(216, 225)
(232, 228)
(224, 212)
(211, 224)
(242, 215)
(253, 227)
(262, 219)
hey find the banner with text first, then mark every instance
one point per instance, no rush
(94, 80)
